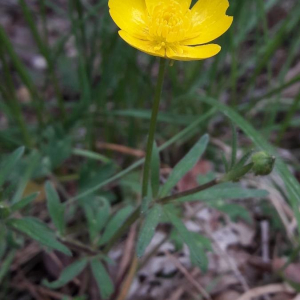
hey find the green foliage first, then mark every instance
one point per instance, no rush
(185, 165)
(9, 163)
(23, 202)
(147, 230)
(155, 170)
(38, 231)
(81, 109)
(68, 274)
(114, 224)
(197, 253)
(102, 278)
(55, 208)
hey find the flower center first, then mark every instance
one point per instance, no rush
(168, 24)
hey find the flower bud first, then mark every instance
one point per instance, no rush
(263, 163)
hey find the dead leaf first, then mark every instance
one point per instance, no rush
(189, 181)
(228, 295)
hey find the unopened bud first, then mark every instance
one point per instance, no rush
(263, 163)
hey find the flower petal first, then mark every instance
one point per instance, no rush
(129, 15)
(152, 3)
(209, 21)
(142, 45)
(193, 53)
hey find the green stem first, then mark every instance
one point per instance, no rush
(190, 192)
(13, 102)
(24, 75)
(136, 213)
(155, 109)
(288, 118)
(45, 51)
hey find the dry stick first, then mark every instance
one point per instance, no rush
(265, 290)
(230, 261)
(186, 273)
(128, 280)
(128, 250)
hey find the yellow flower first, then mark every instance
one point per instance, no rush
(170, 28)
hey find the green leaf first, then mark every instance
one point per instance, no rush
(291, 183)
(55, 207)
(102, 278)
(234, 211)
(244, 159)
(115, 223)
(97, 213)
(33, 162)
(155, 169)
(6, 264)
(91, 155)
(148, 229)
(225, 163)
(145, 204)
(9, 164)
(24, 202)
(233, 145)
(197, 253)
(185, 165)
(38, 231)
(225, 191)
(67, 275)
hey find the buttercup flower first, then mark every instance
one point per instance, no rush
(170, 28)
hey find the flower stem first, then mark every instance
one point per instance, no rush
(155, 109)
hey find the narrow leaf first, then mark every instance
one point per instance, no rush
(24, 202)
(148, 229)
(97, 213)
(291, 183)
(67, 275)
(225, 162)
(155, 168)
(244, 159)
(233, 145)
(197, 252)
(55, 207)
(115, 223)
(185, 165)
(6, 264)
(9, 164)
(38, 231)
(102, 278)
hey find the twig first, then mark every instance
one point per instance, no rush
(264, 290)
(121, 149)
(189, 277)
